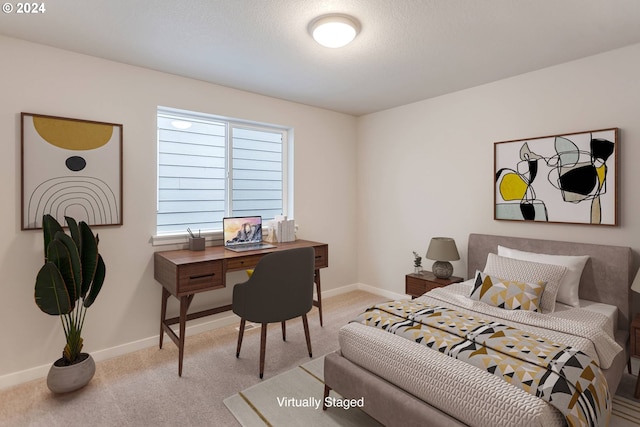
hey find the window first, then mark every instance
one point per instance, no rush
(211, 167)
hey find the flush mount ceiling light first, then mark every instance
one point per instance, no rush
(335, 30)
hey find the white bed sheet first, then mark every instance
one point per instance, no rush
(611, 311)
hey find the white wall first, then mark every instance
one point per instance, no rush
(426, 169)
(43, 80)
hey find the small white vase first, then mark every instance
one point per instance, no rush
(63, 379)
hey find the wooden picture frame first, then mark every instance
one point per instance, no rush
(569, 178)
(70, 167)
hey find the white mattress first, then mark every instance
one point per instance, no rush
(611, 311)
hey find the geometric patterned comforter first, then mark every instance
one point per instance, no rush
(563, 376)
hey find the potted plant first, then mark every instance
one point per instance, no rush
(66, 285)
(417, 263)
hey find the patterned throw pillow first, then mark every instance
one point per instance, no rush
(529, 272)
(507, 294)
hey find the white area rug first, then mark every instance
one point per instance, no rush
(294, 398)
(626, 412)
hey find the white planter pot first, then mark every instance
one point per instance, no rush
(63, 379)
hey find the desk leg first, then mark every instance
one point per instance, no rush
(319, 302)
(163, 312)
(185, 302)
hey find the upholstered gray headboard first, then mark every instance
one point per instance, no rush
(606, 277)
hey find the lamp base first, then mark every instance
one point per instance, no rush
(442, 269)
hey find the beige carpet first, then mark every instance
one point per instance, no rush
(143, 388)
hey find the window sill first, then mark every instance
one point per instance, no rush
(212, 238)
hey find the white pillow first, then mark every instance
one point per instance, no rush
(569, 286)
(530, 272)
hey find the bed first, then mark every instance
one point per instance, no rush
(405, 385)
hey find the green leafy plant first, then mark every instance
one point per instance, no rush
(417, 259)
(70, 279)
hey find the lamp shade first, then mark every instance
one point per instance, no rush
(635, 286)
(443, 249)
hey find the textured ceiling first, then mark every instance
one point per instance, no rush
(408, 50)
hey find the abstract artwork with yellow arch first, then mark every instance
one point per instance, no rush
(71, 167)
(568, 178)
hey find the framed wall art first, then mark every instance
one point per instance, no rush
(570, 178)
(70, 167)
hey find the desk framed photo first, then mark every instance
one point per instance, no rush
(70, 167)
(567, 178)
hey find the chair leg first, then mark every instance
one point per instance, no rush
(263, 347)
(284, 331)
(318, 292)
(306, 333)
(240, 334)
(327, 389)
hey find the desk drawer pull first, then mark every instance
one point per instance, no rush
(243, 263)
(201, 276)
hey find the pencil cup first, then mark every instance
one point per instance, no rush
(196, 243)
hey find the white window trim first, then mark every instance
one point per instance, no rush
(183, 238)
(216, 236)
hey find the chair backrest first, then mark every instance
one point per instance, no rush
(280, 288)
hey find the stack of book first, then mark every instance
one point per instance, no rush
(282, 229)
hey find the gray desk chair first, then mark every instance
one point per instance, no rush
(280, 288)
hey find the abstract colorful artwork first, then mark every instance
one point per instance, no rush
(71, 167)
(569, 178)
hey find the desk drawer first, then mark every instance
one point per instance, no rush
(243, 262)
(200, 276)
(322, 256)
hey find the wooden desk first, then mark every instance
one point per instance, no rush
(184, 273)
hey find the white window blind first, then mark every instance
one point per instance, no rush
(209, 168)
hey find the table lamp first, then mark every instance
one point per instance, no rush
(443, 250)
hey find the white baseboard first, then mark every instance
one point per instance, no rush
(20, 377)
(362, 287)
(381, 292)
